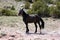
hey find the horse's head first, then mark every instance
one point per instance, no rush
(20, 12)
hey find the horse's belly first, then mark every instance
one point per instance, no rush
(28, 21)
(32, 21)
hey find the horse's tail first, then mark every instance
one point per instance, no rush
(42, 25)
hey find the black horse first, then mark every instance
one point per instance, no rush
(31, 19)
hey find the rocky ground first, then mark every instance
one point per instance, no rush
(13, 28)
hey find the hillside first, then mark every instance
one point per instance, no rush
(17, 5)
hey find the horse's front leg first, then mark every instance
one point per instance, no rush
(35, 27)
(27, 30)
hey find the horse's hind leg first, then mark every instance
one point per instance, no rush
(39, 26)
(27, 30)
(35, 27)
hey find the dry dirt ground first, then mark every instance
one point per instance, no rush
(13, 28)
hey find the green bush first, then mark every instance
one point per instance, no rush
(30, 11)
(26, 0)
(54, 12)
(39, 8)
(51, 10)
(58, 5)
(12, 8)
(27, 5)
(17, 0)
(0, 11)
(8, 12)
(29, 1)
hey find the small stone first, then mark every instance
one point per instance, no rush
(3, 34)
(12, 35)
(10, 39)
(45, 39)
(46, 19)
(0, 36)
(53, 39)
(53, 20)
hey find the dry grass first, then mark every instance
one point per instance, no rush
(13, 25)
(16, 21)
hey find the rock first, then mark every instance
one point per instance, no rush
(12, 35)
(0, 36)
(3, 34)
(10, 39)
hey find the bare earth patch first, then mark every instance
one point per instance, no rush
(13, 28)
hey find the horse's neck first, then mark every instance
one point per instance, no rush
(25, 15)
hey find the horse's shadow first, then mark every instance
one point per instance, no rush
(36, 33)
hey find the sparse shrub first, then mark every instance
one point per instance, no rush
(54, 12)
(3, 12)
(58, 5)
(0, 11)
(39, 8)
(8, 12)
(12, 8)
(7, 7)
(30, 11)
(17, 0)
(0, 14)
(27, 5)
(29, 1)
(57, 10)
(46, 12)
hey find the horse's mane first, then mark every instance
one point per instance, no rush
(25, 13)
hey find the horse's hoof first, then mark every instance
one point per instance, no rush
(27, 32)
(35, 32)
(42, 33)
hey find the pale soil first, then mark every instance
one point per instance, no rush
(14, 26)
